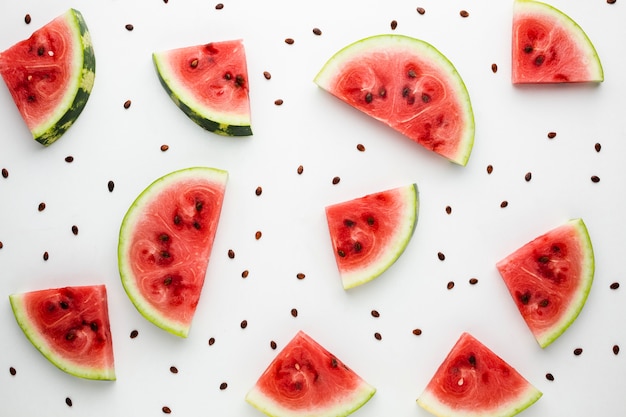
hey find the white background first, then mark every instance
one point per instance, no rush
(319, 132)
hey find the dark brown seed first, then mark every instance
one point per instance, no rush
(46, 256)
(294, 312)
(245, 274)
(441, 256)
(394, 24)
(219, 6)
(75, 229)
(378, 336)
(129, 27)
(127, 104)
(614, 285)
(27, 19)
(12, 371)
(360, 147)
(300, 275)
(489, 169)
(134, 334)
(551, 135)
(173, 369)
(258, 190)
(258, 235)
(578, 351)
(300, 169)
(464, 13)
(5, 173)
(317, 31)
(611, 1)
(279, 102)
(1, 245)
(598, 147)
(450, 285)
(164, 148)
(194, 63)
(417, 332)
(448, 209)
(595, 178)
(289, 41)
(110, 186)
(615, 349)
(165, 1)
(223, 386)
(528, 176)
(494, 67)
(231, 253)
(549, 377)
(375, 313)
(244, 324)
(69, 159)
(336, 180)
(473, 281)
(273, 344)
(211, 341)
(42, 206)
(68, 401)
(421, 10)
(64, 305)
(166, 409)
(267, 75)
(504, 203)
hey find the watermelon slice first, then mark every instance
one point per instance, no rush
(549, 279)
(410, 86)
(165, 243)
(473, 381)
(50, 75)
(306, 380)
(369, 233)
(69, 326)
(549, 47)
(209, 83)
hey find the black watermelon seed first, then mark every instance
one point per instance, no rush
(317, 31)
(336, 180)
(294, 312)
(69, 159)
(173, 369)
(595, 178)
(578, 351)
(219, 6)
(27, 19)
(5, 173)
(448, 209)
(166, 409)
(528, 176)
(375, 313)
(45, 256)
(245, 273)
(417, 332)
(551, 135)
(489, 169)
(1, 245)
(211, 341)
(129, 27)
(110, 186)
(394, 24)
(231, 253)
(258, 190)
(360, 147)
(300, 275)
(614, 285)
(504, 204)
(41, 207)
(378, 336)
(597, 147)
(421, 10)
(12, 371)
(223, 386)
(611, 1)
(441, 256)
(473, 281)
(273, 345)
(75, 230)
(615, 349)
(549, 377)
(134, 334)
(300, 169)
(494, 67)
(244, 324)
(127, 104)
(464, 13)
(450, 285)
(68, 401)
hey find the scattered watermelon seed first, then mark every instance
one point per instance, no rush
(611, 1)
(69, 159)
(504, 203)
(300, 169)
(473, 281)
(441, 256)
(41, 207)
(223, 386)
(258, 190)
(300, 275)
(75, 230)
(549, 377)
(598, 147)
(615, 349)
(244, 324)
(551, 135)
(417, 332)
(127, 104)
(464, 13)
(421, 10)
(360, 147)
(267, 75)
(231, 253)
(166, 409)
(164, 148)
(45, 256)
(258, 235)
(173, 369)
(211, 341)
(219, 6)
(595, 178)
(378, 336)
(294, 312)
(494, 67)
(289, 41)
(134, 334)
(450, 285)
(578, 351)
(1, 245)
(317, 31)
(129, 27)
(5, 173)
(110, 186)
(375, 313)
(336, 180)
(245, 273)
(448, 209)
(614, 285)
(279, 102)
(12, 371)
(273, 345)
(489, 169)
(68, 401)
(394, 24)
(528, 176)
(27, 19)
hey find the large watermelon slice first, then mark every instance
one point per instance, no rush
(69, 326)
(549, 279)
(306, 380)
(549, 47)
(369, 233)
(409, 85)
(209, 83)
(472, 381)
(165, 242)
(50, 75)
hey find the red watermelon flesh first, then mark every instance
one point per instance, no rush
(306, 380)
(549, 47)
(473, 381)
(69, 326)
(410, 86)
(549, 279)
(165, 243)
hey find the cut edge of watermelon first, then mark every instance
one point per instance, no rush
(534, 7)
(40, 343)
(211, 119)
(325, 77)
(153, 315)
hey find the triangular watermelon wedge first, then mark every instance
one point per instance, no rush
(306, 380)
(369, 233)
(473, 381)
(549, 47)
(549, 279)
(69, 326)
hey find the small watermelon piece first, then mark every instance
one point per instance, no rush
(306, 380)
(70, 327)
(165, 242)
(549, 279)
(209, 83)
(409, 85)
(50, 75)
(549, 47)
(472, 381)
(369, 233)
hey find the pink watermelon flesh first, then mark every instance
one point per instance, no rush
(549, 279)
(549, 47)
(369, 233)
(408, 85)
(70, 326)
(305, 379)
(473, 381)
(165, 244)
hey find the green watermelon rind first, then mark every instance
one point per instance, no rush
(347, 53)
(574, 29)
(29, 329)
(395, 248)
(126, 228)
(221, 123)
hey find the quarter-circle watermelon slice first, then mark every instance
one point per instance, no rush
(50, 75)
(409, 85)
(550, 278)
(70, 327)
(369, 233)
(549, 47)
(209, 83)
(473, 381)
(306, 380)
(165, 243)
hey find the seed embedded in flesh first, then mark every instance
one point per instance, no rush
(27, 19)
(417, 332)
(341, 253)
(614, 285)
(129, 27)
(360, 147)
(421, 10)
(336, 180)
(369, 97)
(595, 178)
(231, 253)
(194, 63)
(41, 207)
(134, 334)
(357, 246)
(40, 51)
(549, 377)
(64, 305)
(578, 351)
(300, 275)
(494, 67)
(127, 104)
(93, 326)
(110, 186)
(551, 135)
(317, 31)
(239, 80)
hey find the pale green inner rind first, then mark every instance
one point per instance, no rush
(397, 243)
(540, 9)
(34, 336)
(325, 77)
(127, 230)
(228, 124)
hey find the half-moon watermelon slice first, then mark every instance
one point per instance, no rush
(209, 83)
(409, 85)
(306, 380)
(165, 242)
(70, 327)
(549, 279)
(549, 47)
(369, 233)
(473, 381)
(50, 75)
